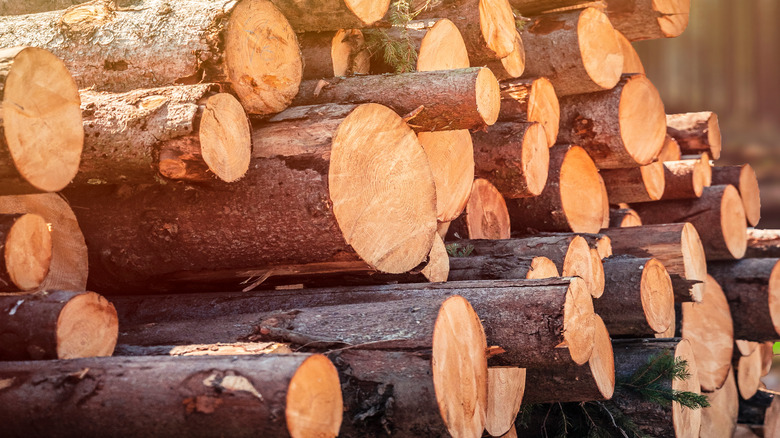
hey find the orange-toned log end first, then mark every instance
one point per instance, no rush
(369, 12)
(602, 359)
(670, 151)
(387, 216)
(26, 251)
(348, 53)
(636, 184)
(744, 179)
(442, 48)
(580, 192)
(451, 158)
(694, 260)
(642, 120)
(749, 375)
(624, 218)
(505, 393)
(597, 278)
(746, 347)
(696, 132)
(631, 61)
(486, 212)
(461, 391)
(599, 48)
(498, 27)
(719, 419)
(643, 20)
(687, 422)
(578, 262)
(542, 267)
(578, 323)
(733, 222)
(438, 267)
(605, 211)
(41, 118)
(709, 328)
(543, 107)
(225, 141)
(657, 296)
(314, 404)
(86, 326)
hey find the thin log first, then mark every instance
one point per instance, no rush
(686, 179)
(451, 159)
(649, 19)
(504, 266)
(719, 419)
(670, 151)
(635, 184)
(511, 66)
(768, 354)
(330, 54)
(26, 243)
(531, 100)
(624, 218)
(744, 179)
(216, 349)
(753, 410)
(746, 347)
(763, 243)
(600, 242)
(696, 132)
(506, 386)
(748, 370)
(631, 61)
(436, 42)
(485, 215)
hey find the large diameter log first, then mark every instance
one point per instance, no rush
(763, 243)
(503, 266)
(576, 50)
(186, 42)
(752, 287)
(571, 199)
(600, 242)
(709, 328)
(635, 184)
(485, 215)
(654, 419)
(744, 179)
(329, 54)
(26, 244)
(318, 184)
(719, 419)
(677, 246)
(649, 19)
(621, 127)
(531, 100)
(41, 138)
(466, 98)
(56, 325)
(273, 395)
(748, 373)
(686, 179)
(718, 216)
(570, 382)
(451, 159)
(181, 132)
(506, 386)
(514, 156)
(631, 61)
(696, 132)
(638, 300)
(624, 218)
(68, 266)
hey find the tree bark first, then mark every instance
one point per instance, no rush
(157, 43)
(332, 14)
(696, 132)
(272, 395)
(753, 410)
(531, 100)
(330, 54)
(533, 7)
(744, 179)
(634, 184)
(215, 349)
(649, 19)
(719, 419)
(500, 266)
(624, 218)
(506, 386)
(436, 44)
(670, 151)
(26, 244)
(621, 127)
(763, 243)
(485, 215)
(511, 66)
(686, 179)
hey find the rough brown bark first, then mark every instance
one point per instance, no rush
(215, 349)
(696, 132)
(531, 100)
(600, 242)
(686, 179)
(719, 419)
(624, 218)
(744, 179)
(532, 7)
(25, 251)
(763, 243)
(332, 14)
(670, 151)
(649, 19)
(484, 217)
(271, 395)
(634, 184)
(499, 266)
(329, 54)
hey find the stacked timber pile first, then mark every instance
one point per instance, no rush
(369, 219)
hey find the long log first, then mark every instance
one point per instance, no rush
(696, 132)
(273, 395)
(511, 66)
(506, 386)
(635, 184)
(763, 243)
(41, 138)
(649, 19)
(332, 14)
(533, 7)
(718, 216)
(576, 50)
(631, 61)
(485, 215)
(330, 54)
(620, 127)
(744, 179)
(571, 199)
(624, 218)
(435, 44)
(531, 100)
(317, 186)
(157, 43)
(26, 244)
(502, 266)
(451, 158)
(748, 369)
(686, 179)
(719, 419)
(670, 151)
(56, 325)
(186, 132)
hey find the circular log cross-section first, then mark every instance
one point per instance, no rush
(744, 179)
(624, 218)
(451, 159)
(438, 267)
(571, 199)
(577, 51)
(621, 127)
(649, 19)
(41, 137)
(503, 266)
(670, 151)
(26, 244)
(485, 215)
(332, 14)
(686, 179)
(332, 54)
(631, 61)
(719, 419)
(696, 132)
(634, 184)
(506, 386)
(749, 373)
(511, 66)
(531, 100)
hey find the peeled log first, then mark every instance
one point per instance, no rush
(752, 287)
(318, 190)
(696, 132)
(485, 215)
(451, 158)
(634, 184)
(571, 199)
(514, 157)
(506, 386)
(273, 395)
(41, 137)
(763, 243)
(719, 419)
(504, 266)
(156, 43)
(748, 373)
(531, 100)
(576, 50)
(332, 14)
(686, 179)
(56, 325)
(624, 218)
(718, 216)
(649, 19)
(26, 244)
(330, 54)
(621, 127)
(631, 61)
(744, 179)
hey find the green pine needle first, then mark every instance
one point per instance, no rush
(457, 250)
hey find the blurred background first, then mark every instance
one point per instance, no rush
(728, 61)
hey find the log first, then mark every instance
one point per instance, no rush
(696, 132)
(576, 50)
(501, 266)
(26, 243)
(436, 44)
(604, 203)
(772, 419)
(638, 300)
(649, 19)
(531, 100)
(754, 410)
(767, 352)
(184, 132)
(718, 217)
(156, 43)
(338, 53)
(485, 215)
(467, 98)
(506, 386)
(621, 127)
(301, 189)
(746, 347)
(533, 7)
(763, 243)
(451, 158)
(272, 395)
(68, 266)
(569, 382)
(670, 151)
(571, 199)
(41, 138)
(56, 325)
(744, 179)
(631, 61)
(13, 7)
(686, 179)
(514, 157)
(511, 66)
(598, 280)
(752, 287)
(709, 328)
(719, 419)
(600, 242)
(748, 373)
(332, 14)
(216, 349)
(654, 419)
(635, 184)
(677, 246)
(624, 218)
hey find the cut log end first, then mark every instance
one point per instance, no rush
(720, 418)
(733, 222)
(602, 359)
(749, 374)
(749, 191)
(674, 15)
(385, 214)
(461, 392)
(505, 394)
(657, 296)
(497, 23)
(687, 422)
(438, 267)
(653, 178)
(578, 328)
(774, 296)
(696, 132)
(581, 193)
(41, 117)
(670, 151)
(225, 140)
(694, 260)
(544, 107)
(605, 216)
(746, 347)
(542, 267)
(27, 252)
(314, 405)
(513, 65)
(87, 326)
(487, 216)
(536, 158)
(442, 48)
(369, 12)
(601, 53)
(578, 262)
(451, 158)
(597, 279)
(631, 61)
(642, 119)
(488, 96)
(345, 58)
(624, 218)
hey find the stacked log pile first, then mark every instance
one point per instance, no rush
(396, 219)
